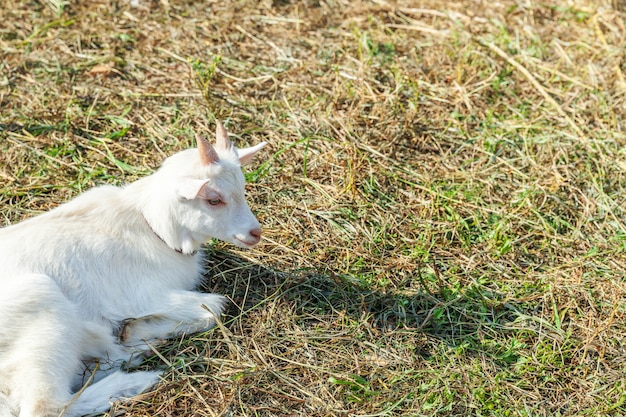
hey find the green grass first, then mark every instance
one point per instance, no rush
(442, 199)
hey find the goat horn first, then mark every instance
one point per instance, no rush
(207, 152)
(221, 136)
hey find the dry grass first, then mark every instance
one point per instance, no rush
(443, 199)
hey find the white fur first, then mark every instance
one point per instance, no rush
(84, 286)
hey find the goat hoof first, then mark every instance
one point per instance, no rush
(125, 330)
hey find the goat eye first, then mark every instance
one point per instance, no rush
(215, 202)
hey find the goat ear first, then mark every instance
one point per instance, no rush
(207, 152)
(222, 142)
(246, 154)
(190, 188)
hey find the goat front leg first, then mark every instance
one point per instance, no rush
(181, 312)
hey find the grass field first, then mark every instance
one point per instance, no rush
(443, 198)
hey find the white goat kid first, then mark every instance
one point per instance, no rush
(96, 278)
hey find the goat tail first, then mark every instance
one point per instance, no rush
(97, 398)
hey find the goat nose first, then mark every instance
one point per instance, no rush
(256, 233)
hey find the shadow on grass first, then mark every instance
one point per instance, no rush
(459, 317)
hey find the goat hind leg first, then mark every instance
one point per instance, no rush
(40, 340)
(116, 386)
